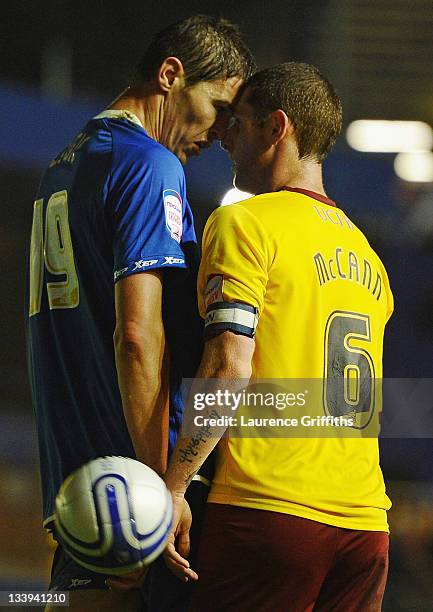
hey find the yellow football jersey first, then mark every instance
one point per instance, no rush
(323, 300)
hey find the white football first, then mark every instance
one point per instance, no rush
(113, 515)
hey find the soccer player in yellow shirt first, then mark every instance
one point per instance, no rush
(290, 289)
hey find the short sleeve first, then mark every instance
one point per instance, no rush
(150, 215)
(235, 260)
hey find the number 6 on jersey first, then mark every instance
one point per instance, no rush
(349, 369)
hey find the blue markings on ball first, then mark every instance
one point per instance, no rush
(119, 545)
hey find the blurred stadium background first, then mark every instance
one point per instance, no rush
(62, 61)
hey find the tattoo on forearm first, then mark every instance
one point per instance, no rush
(192, 448)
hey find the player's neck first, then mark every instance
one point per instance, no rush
(307, 175)
(145, 103)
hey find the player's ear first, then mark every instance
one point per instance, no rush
(281, 125)
(170, 70)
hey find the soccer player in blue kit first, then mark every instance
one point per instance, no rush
(112, 325)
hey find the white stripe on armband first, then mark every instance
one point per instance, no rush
(202, 479)
(234, 316)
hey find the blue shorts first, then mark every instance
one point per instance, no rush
(67, 575)
(162, 591)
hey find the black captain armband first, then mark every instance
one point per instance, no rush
(230, 316)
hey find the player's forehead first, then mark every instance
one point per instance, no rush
(242, 106)
(224, 90)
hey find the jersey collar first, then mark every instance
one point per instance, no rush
(311, 194)
(119, 114)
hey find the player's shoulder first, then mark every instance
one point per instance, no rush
(267, 205)
(262, 205)
(233, 213)
(259, 211)
(138, 146)
(371, 250)
(132, 146)
(233, 223)
(362, 244)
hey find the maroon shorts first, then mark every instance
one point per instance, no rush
(261, 561)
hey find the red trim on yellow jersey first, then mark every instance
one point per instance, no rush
(312, 194)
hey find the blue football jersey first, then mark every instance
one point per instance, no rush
(112, 204)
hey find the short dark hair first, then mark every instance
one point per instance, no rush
(308, 99)
(208, 47)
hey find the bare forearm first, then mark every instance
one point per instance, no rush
(190, 453)
(192, 450)
(143, 383)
